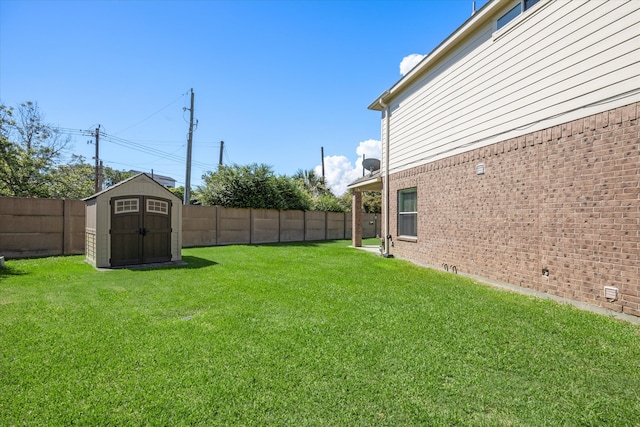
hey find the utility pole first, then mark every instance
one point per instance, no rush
(221, 149)
(98, 183)
(322, 155)
(101, 178)
(187, 182)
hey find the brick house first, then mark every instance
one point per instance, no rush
(512, 151)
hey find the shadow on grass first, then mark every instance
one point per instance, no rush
(194, 262)
(7, 271)
(188, 263)
(306, 243)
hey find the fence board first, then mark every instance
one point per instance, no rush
(41, 227)
(46, 227)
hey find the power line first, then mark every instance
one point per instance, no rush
(70, 131)
(149, 150)
(133, 146)
(226, 156)
(152, 114)
(104, 137)
(137, 167)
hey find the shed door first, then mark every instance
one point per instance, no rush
(156, 240)
(140, 230)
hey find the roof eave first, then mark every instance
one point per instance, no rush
(131, 178)
(362, 184)
(470, 25)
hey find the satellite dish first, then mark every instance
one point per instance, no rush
(371, 164)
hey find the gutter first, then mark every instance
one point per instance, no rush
(385, 182)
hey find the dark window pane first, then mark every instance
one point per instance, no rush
(408, 201)
(507, 17)
(529, 3)
(408, 224)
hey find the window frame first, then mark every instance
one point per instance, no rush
(125, 206)
(524, 6)
(403, 214)
(511, 11)
(157, 206)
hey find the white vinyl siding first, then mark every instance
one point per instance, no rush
(547, 64)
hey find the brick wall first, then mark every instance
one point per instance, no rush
(565, 199)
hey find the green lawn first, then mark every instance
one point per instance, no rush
(301, 334)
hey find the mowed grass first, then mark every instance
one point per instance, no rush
(301, 334)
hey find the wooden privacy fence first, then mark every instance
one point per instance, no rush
(49, 227)
(41, 227)
(215, 225)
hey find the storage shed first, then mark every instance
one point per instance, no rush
(136, 221)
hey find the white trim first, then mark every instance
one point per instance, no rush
(401, 213)
(122, 207)
(158, 206)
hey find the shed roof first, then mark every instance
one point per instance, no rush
(128, 180)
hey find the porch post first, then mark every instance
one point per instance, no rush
(356, 219)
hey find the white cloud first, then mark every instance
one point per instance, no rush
(408, 62)
(340, 172)
(370, 148)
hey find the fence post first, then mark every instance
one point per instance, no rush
(217, 226)
(344, 225)
(356, 219)
(65, 226)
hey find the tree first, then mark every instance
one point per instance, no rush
(76, 179)
(311, 182)
(29, 150)
(112, 176)
(322, 199)
(329, 203)
(371, 201)
(179, 193)
(292, 195)
(251, 186)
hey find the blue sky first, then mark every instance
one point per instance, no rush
(275, 80)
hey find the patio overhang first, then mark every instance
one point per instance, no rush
(371, 182)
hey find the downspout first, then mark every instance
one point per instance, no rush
(385, 200)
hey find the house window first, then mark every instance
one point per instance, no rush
(509, 16)
(408, 212)
(522, 6)
(529, 3)
(126, 206)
